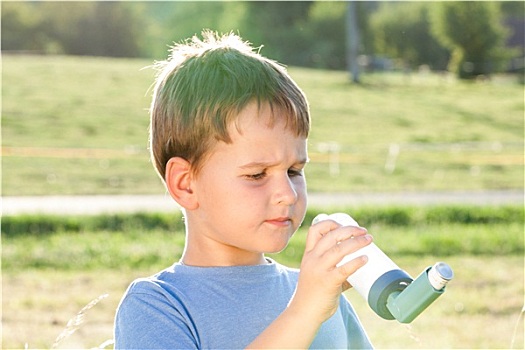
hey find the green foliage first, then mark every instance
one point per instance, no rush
(472, 30)
(305, 33)
(143, 240)
(39, 225)
(152, 240)
(77, 28)
(279, 26)
(21, 22)
(394, 216)
(402, 216)
(513, 9)
(327, 44)
(477, 215)
(188, 18)
(403, 31)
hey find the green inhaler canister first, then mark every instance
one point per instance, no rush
(390, 291)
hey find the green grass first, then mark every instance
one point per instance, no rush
(452, 135)
(53, 266)
(486, 294)
(75, 125)
(479, 310)
(145, 240)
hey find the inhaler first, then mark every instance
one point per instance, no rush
(390, 291)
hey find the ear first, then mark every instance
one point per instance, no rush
(178, 182)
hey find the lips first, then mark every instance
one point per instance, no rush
(280, 221)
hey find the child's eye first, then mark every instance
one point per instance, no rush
(258, 176)
(295, 172)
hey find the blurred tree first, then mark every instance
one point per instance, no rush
(473, 30)
(326, 33)
(402, 31)
(21, 27)
(104, 28)
(61, 21)
(514, 9)
(172, 22)
(280, 26)
(306, 33)
(191, 17)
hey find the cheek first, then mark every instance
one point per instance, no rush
(249, 198)
(300, 186)
(231, 199)
(302, 196)
(302, 203)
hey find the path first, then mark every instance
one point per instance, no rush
(97, 204)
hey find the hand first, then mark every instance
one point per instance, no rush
(321, 282)
(320, 285)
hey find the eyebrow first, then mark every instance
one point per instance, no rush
(269, 165)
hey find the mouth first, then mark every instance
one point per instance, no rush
(280, 221)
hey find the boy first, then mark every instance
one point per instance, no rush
(228, 137)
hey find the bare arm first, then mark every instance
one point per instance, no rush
(319, 287)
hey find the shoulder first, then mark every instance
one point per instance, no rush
(150, 307)
(154, 284)
(158, 292)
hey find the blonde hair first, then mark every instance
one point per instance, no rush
(204, 85)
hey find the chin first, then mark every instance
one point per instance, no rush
(277, 248)
(276, 243)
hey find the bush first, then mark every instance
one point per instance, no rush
(392, 216)
(42, 224)
(474, 215)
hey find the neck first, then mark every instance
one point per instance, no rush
(190, 259)
(205, 253)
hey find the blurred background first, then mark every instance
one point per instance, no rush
(320, 34)
(407, 98)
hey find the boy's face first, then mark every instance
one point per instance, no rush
(251, 193)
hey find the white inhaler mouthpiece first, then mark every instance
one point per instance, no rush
(379, 277)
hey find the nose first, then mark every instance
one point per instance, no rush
(285, 191)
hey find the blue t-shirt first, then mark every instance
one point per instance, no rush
(187, 307)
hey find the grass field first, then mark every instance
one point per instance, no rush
(75, 125)
(52, 267)
(479, 310)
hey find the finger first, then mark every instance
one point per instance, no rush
(335, 253)
(318, 231)
(347, 269)
(338, 236)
